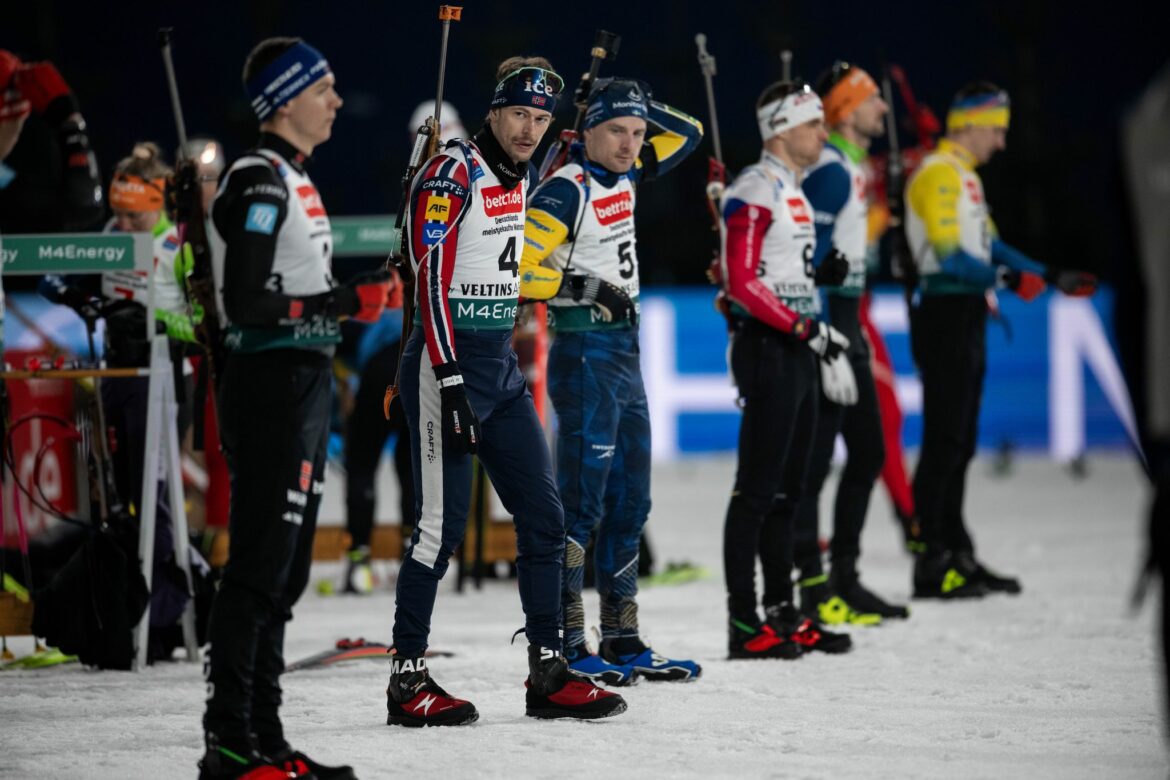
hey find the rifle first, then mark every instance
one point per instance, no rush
(426, 146)
(605, 49)
(191, 222)
(902, 264)
(716, 170)
(786, 64)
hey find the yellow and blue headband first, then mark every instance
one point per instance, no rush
(288, 76)
(991, 109)
(531, 87)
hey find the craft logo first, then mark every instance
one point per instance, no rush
(613, 208)
(438, 208)
(306, 479)
(799, 211)
(311, 200)
(498, 201)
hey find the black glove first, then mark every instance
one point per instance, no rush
(82, 193)
(1075, 283)
(87, 305)
(460, 425)
(611, 300)
(832, 271)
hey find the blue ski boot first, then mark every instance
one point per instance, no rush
(589, 665)
(631, 651)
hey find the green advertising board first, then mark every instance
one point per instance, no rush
(69, 253)
(371, 236)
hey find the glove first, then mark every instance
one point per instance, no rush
(41, 83)
(838, 382)
(825, 340)
(394, 292)
(611, 300)
(460, 425)
(1074, 283)
(87, 306)
(1025, 284)
(13, 107)
(82, 193)
(832, 271)
(9, 64)
(364, 296)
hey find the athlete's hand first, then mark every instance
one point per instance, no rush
(825, 340)
(364, 296)
(838, 382)
(612, 301)
(1075, 283)
(1025, 284)
(460, 425)
(43, 86)
(832, 271)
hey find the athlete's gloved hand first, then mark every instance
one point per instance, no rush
(87, 306)
(825, 340)
(43, 86)
(1025, 284)
(611, 300)
(394, 293)
(460, 425)
(1075, 283)
(364, 296)
(832, 271)
(838, 382)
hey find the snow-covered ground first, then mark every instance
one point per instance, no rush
(1060, 682)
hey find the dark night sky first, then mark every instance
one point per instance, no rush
(1057, 190)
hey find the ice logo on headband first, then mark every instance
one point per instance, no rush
(539, 85)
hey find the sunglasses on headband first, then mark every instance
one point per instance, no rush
(537, 76)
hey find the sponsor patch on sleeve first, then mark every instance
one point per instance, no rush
(438, 208)
(261, 218)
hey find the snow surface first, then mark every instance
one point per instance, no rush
(1060, 682)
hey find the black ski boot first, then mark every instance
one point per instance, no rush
(936, 577)
(787, 622)
(976, 572)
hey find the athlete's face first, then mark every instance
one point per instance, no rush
(869, 118)
(805, 142)
(984, 142)
(309, 116)
(135, 221)
(519, 130)
(615, 143)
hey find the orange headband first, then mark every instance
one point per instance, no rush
(847, 94)
(134, 193)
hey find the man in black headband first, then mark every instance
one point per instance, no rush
(463, 393)
(272, 248)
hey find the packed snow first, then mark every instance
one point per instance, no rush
(1062, 681)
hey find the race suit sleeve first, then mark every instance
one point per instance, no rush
(1003, 253)
(249, 214)
(746, 224)
(827, 189)
(436, 201)
(550, 222)
(171, 269)
(934, 196)
(679, 137)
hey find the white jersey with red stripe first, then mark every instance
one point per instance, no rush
(466, 233)
(767, 241)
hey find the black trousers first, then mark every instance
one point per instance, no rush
(779, 384)
(861, 427)
(274, 419)
(948, 340)
(365, 436)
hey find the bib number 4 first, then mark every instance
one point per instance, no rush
(508, 258)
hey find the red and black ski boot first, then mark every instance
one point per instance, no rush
(237, 762)
(301, 766)
(787, 621)
(752, 639)
(414, 699)
(555, 693)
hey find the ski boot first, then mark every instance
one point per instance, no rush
(552, 692)
(757, 640)
(631, 651)
(787, 621)
(591, 666)
(414, 699)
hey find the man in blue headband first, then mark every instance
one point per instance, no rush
(463, 394)
(271, 251)
(580, 254)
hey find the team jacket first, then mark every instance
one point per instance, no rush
(767, 244)
(465, 228)
(836, 187)
(949, 226)
(581, 219)
(272, 252)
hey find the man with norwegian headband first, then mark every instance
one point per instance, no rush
(271, 251)
(463, 394)
(768, 241)
(836, 187)
(961, 262)
(580, 224)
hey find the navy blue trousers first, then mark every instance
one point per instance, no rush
(514, 454)
(603, 470)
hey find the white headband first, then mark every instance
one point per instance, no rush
(788, 112)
